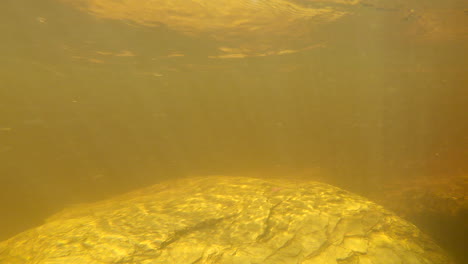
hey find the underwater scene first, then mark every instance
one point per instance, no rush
(233, 132)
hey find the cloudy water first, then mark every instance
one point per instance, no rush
(98, 98)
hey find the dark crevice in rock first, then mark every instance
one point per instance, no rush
(265, 235)
(198, 260)
(319, 251)
(285, 245)
(352, 258)
(184, 232)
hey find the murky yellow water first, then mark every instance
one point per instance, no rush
(98, 97)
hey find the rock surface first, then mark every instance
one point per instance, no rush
(231, 220)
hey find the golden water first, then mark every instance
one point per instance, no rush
(92, 106)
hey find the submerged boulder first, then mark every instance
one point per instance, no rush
(231, 220)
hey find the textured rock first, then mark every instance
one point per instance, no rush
(232, 220)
